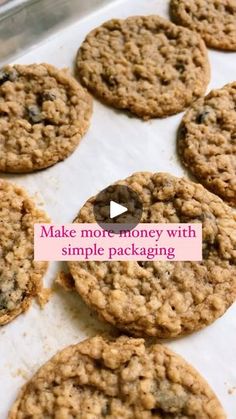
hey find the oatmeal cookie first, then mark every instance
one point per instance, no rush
(117, 378)
(215, 20)
(207, 141)
(20, 275)
(165, 299)
(44, 113)
(144, 64)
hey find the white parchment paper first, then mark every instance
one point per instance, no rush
(115, 147)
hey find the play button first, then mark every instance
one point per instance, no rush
(118, 207)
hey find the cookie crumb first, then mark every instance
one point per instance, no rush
(21, 373)
(231, 390)
(65, 280)
(44, 296)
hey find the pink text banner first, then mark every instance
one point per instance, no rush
(145, 242)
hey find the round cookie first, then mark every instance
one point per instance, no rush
(207, 141)
(20, 274)
(165, 299)
(117, 378)
(144, 64)
(215, 20)
(44, 113)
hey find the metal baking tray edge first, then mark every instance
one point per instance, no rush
(30, 22)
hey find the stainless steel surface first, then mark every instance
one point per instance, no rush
(2, 2)
(6, 5)
(33, 20)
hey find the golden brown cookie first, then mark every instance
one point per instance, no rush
(144, 64)
(44, 113)
(117, 378)
(215, 20)
(165, 299)
(207, 141)
(20, 275)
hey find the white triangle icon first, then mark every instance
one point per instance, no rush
(116, 209)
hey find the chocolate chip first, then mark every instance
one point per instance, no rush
(13, 74)
(206, 216)
(180, 68)
(201, 117)
(34, 114)
(165, 82)
(106, 410)
(109, 80)
(2, 114)
(8, 75)
(4, 76)
(182, 131)
(229, 9)
(143, 264)
(157, 411)
(3, 302)
(49, 95)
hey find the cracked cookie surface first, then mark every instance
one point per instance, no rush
(165, 299)
(122, 378)
(215, 20)
(207, 141)
(144, 64)
(20, 275)
(44, 113)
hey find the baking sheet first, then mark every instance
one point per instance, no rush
(26, 22)
(115, 147)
